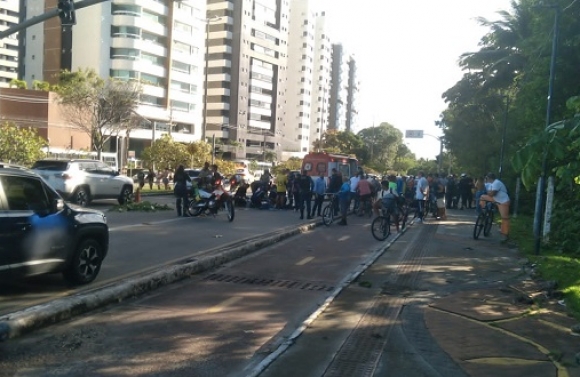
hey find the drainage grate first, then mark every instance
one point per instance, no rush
(288, 284)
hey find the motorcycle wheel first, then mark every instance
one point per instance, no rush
(229, 207)
(193, 210)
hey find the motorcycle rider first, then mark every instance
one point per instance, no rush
(216, 181)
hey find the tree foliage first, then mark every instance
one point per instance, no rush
(20, 145)
(101, 108)
(165, 153)
(199, 152)
(504, 92)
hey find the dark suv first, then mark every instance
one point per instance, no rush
(40, 233)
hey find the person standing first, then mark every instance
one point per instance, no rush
(305, 186)
(281, 182)
(289, 189)
(354, 191)
(334, 184)
(421, 194)
(141, 179)
(364, 192)
(319, 191)
(180, 179)
(150, 178)
(344, 199)
(499, 195)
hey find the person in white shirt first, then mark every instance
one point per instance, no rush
(497, 193)
(421, 194)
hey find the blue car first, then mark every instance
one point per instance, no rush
(40, 233)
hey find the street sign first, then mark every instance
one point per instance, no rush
(414, 134)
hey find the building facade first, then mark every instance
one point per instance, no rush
(308, 78)
(343, 91)
(247, 72)
(8, 45)
(160, 44)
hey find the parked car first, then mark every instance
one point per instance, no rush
(41, 234)
(82, 181)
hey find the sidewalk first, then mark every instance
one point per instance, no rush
(440, 304)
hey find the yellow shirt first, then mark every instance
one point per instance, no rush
(281, 182)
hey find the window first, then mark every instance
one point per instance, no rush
(25, 194)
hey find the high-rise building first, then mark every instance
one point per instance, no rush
(159, 43)
(308, 77)
(352, 97)
(343, 91)
(248, 44)
(8, 45)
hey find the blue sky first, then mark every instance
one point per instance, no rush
(407, 53)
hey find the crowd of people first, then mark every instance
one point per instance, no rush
(296, 190)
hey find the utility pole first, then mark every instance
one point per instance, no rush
(540, 198)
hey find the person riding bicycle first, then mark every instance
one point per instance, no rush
(388, 200)
(498, 194)
(364, 192)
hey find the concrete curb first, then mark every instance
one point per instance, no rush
(35, 317)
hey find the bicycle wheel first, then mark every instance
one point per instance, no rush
(229, 207)
(404, 215)
(381, 228)
(488, 223)
(478, 226)
(328, 215)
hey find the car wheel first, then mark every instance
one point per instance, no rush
(82, 197)
(85, 263)
(126, 195)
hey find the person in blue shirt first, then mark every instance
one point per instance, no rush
(319, 191)
(344, 199)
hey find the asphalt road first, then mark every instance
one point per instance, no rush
(218, 323)
(143, 241)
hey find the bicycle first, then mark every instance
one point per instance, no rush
(328, 211)
(404, 209)
(381, 225)
(365, 206)
(484, 220)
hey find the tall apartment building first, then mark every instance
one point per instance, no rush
(160, 43)
(8, 45)
(344, 89)
(352, 96)
(308, 78)
(248, 43)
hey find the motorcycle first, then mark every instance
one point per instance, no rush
(211, 202)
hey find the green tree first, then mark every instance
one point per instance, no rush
(20, 145)
(18, 84)
(165, 153)
(100, 108)
(199, 152)
(41, 85)
(379, 146)
(341, 142)
(270, 157)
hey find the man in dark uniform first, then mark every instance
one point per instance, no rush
(305, 187)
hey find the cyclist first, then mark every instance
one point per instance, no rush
(364, 191)
(498, 194)
(388, 199)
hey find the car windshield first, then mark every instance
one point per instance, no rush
(192, 173)
(50, 165)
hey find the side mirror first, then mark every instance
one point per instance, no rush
(58, 205)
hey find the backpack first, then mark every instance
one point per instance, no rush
(389, 200)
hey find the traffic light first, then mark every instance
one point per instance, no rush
(66, 12)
